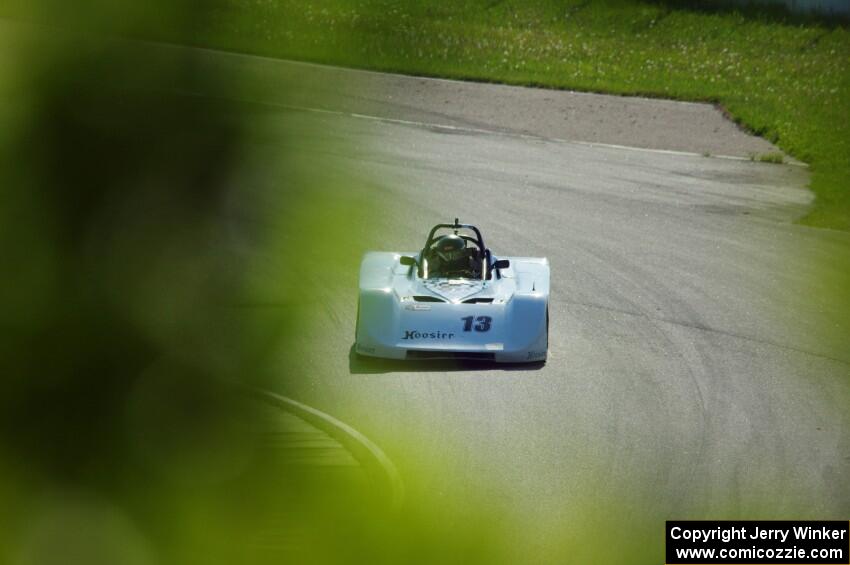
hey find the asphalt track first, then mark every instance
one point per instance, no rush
(698, 363)
(692, 351)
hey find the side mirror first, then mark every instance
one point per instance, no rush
(501, 264)
(407, 261)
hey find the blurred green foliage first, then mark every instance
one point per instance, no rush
(160, 242)
(127, 305)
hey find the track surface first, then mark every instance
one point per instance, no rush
(698, 364)
(697, 368)
(687, 347)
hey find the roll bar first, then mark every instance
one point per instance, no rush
(479, 241)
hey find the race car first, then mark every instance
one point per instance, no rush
(454, 299)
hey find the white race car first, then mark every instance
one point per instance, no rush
(454, 299)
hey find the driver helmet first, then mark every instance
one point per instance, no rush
(450, 244)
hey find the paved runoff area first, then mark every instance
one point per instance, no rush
(556, 114)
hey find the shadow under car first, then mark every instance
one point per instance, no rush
(362, 365)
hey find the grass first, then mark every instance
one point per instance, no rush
(782, 77)
(772, 157)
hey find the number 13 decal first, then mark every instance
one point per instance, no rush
(482, 323)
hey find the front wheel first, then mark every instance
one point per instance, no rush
(357, 321)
